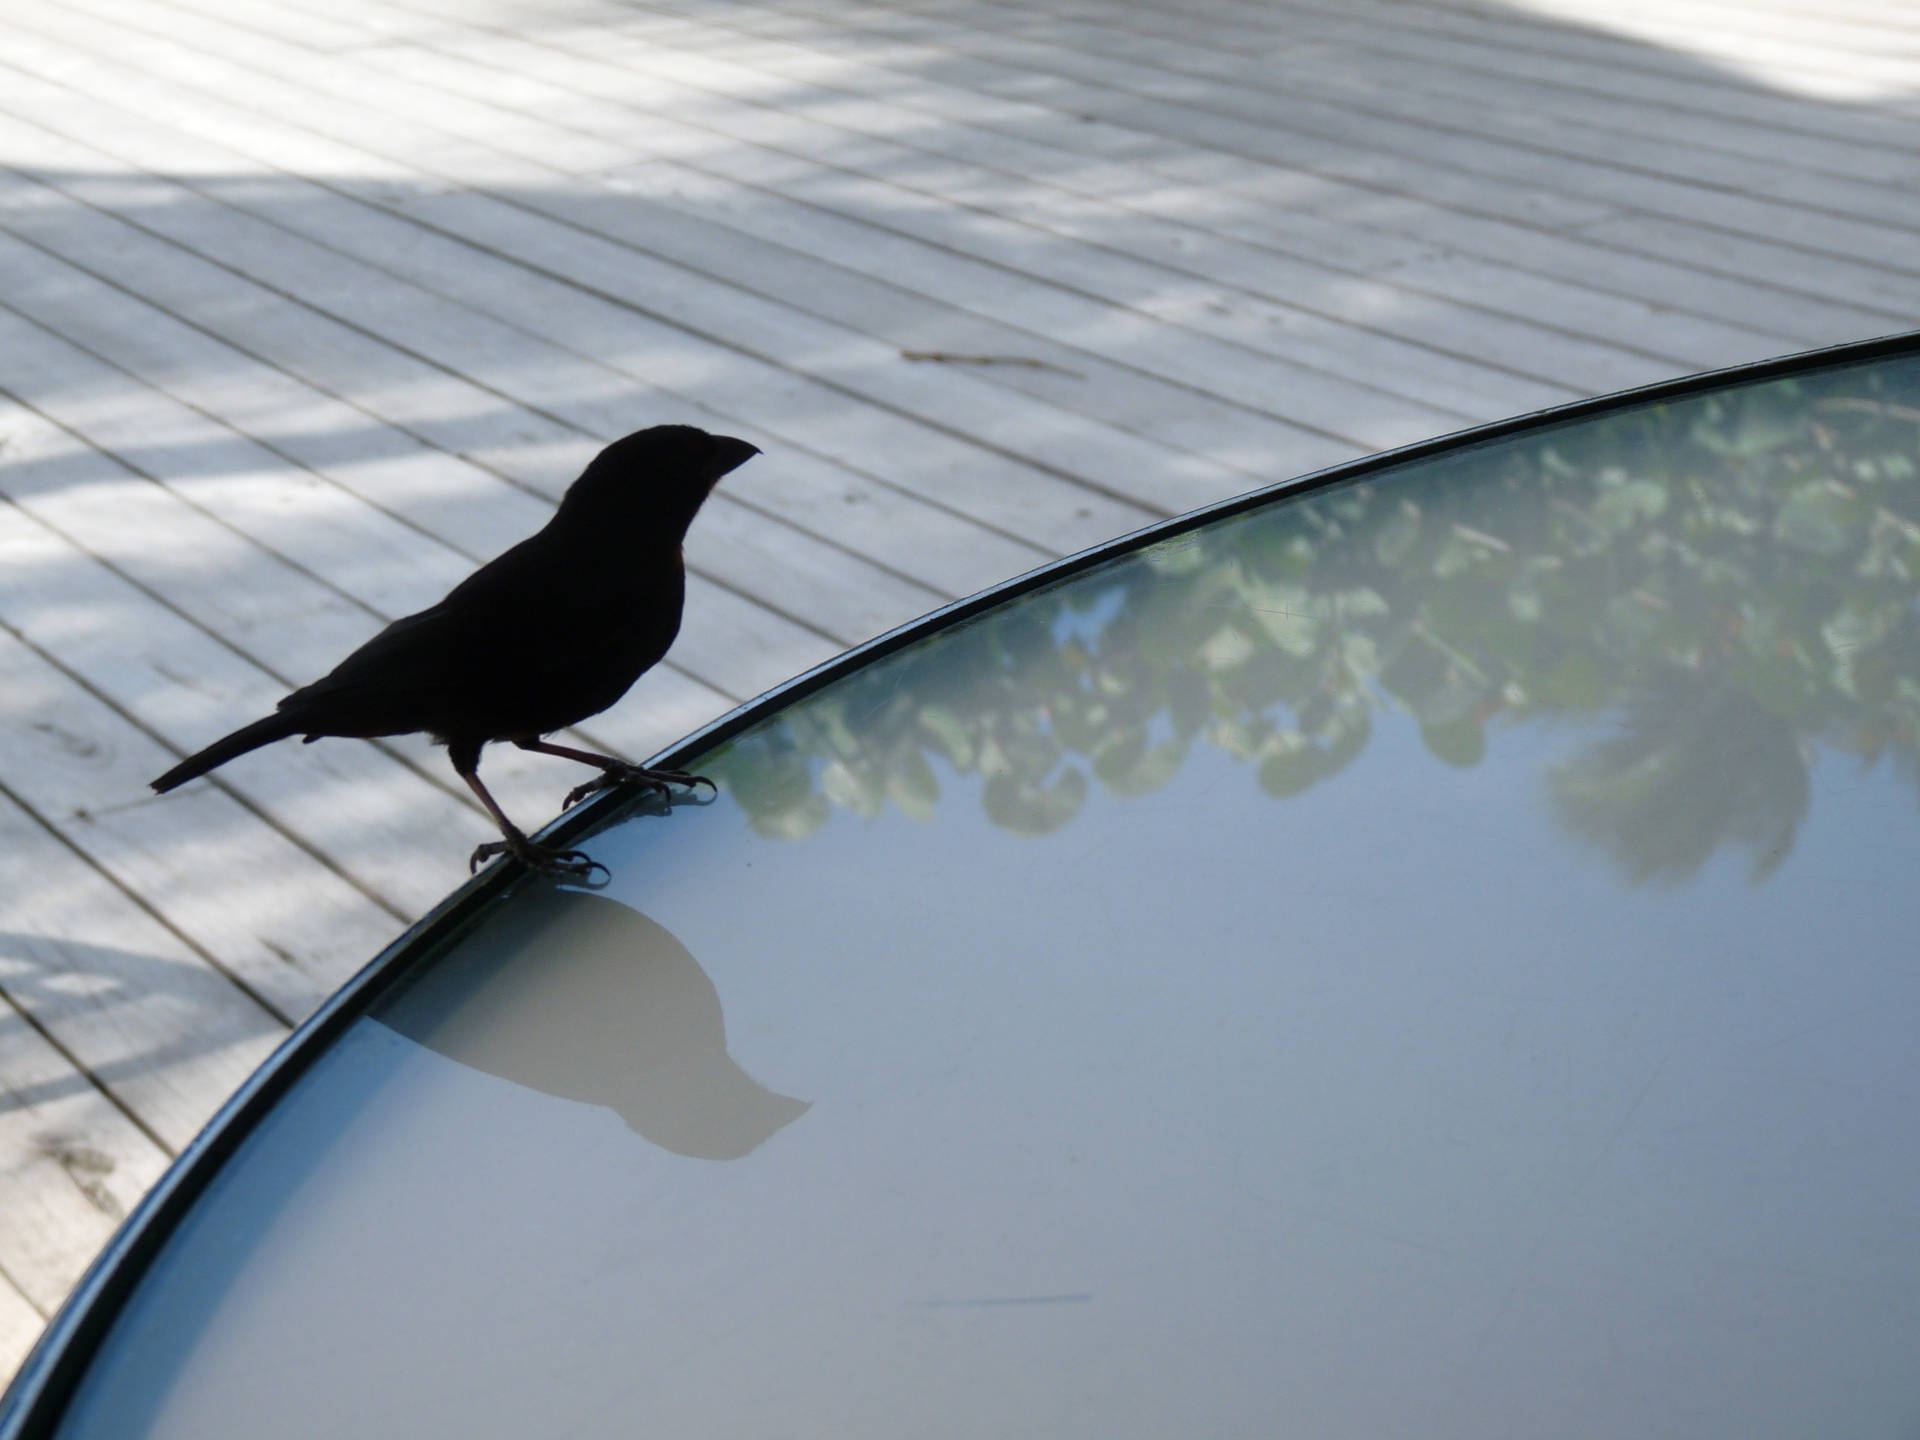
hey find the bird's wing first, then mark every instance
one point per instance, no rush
(390, 684)
(451, 658)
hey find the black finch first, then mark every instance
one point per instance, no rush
(556, 629)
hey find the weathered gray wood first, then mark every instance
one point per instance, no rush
(1397, 151)
(75, 1166)
(499, 355)
(20, 1326)
(333, 532)
(1359, 243)
(197, 558)
(1793, 48)
(1373, 367)
(1430, 312)
(1788, 266)
(990, 213)
(723, 61)
(1495, 110)
(282, 924)
(1430, 50)
(398, 835)
(899, 530)
(156, 1026)
(1100, 59)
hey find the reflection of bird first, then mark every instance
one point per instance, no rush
(553, 631)
(582, 997)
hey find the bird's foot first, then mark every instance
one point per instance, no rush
(661, 782)
(542, 859)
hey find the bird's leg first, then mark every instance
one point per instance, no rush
(615, 772)
(544, 858)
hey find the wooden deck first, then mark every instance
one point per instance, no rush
(307, 306)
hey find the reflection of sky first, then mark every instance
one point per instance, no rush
(1089, 615)
(1384, 1110)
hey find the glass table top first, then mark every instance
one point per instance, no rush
(1435, 954)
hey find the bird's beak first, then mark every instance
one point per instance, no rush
(730, 454)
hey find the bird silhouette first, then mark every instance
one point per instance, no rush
(539, 638)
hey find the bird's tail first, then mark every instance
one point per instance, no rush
(247, 737)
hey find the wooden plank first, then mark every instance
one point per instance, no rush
(72, 1167)
(398, 836)
(1432, 363)
(1021, 227)
(445, 494)
(864, 29)
(730, 644)
(775, 246)
(1359, 241)
(209, 571)
(1798, 58)
(1024, 431)
(1429, 301)
(1249, 284)
(186, 536)
(286, 927)
(1186, 140)
(271, 912)
(1831, 28)
(256, 603)
(1826, 215)
(1488, 108)
(157, 1027)
(20, 1326)
(793, 44)
(1395, 150)
(1575, 60)
(1310, 361)
(1139, 470)
(1784, 265)
(1464, 137)
(1432, 308)
(1628, 68)
(366, 555)
(1365, 49)
(816, 413)
(823, 584)
(1586, 35)
(1674, 283)
(328, 529)
(458, 421)
(1426, 56)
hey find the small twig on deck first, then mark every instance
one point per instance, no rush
(949, 357)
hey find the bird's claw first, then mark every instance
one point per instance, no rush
(661, 782)
(544, 859)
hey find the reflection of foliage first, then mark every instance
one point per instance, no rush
(1732, 577)
(1689, 770)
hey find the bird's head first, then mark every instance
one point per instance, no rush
(655, 480)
